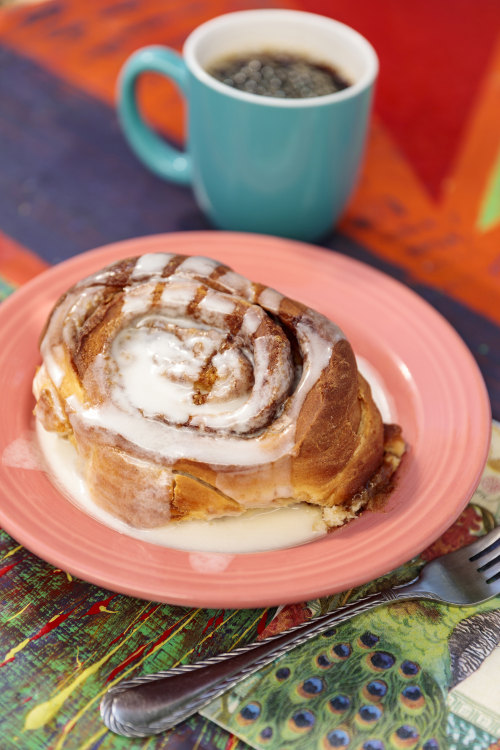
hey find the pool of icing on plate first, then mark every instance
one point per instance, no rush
(254, 531)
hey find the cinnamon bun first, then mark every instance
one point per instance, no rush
(191, 392)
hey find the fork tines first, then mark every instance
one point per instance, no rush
(487, 553)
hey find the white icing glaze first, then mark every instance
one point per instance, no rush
(177, 295)
(238, 418)
(157, 371)
(238, 284)
(217, 302)
(209, 562)
(152, 368)
(149, 376)
(270, 299)
(142, 390)
(251, 320)
(230, 374)
(38, 380)
(380, 393)
(23, 453)
(136, 303)
(160, 319)
(198, 265)
(253, 531)
(52, 359)
(150, 264)
(41, 381)
(144, 356)
(171, 443)
(316, 353)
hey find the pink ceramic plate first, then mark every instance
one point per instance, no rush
(438, 396)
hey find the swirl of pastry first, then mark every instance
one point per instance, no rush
(191, 392)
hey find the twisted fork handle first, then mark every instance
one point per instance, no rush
(153, 703)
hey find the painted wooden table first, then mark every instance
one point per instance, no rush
(427, 212)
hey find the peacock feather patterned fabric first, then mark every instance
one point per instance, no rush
(379, 681)
(373, 683)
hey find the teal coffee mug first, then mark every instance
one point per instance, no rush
(257, 163)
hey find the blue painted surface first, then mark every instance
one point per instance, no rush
(68, 180)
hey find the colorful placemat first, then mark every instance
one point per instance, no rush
(404, 675)
(427, 212)
(383, 676)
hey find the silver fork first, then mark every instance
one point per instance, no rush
(150, 704)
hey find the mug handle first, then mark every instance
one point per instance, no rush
(161, 158)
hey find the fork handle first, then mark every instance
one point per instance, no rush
(153, 703)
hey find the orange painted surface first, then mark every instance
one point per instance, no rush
(437, 242)
(17, 264)
(480, 150)
(393, 213)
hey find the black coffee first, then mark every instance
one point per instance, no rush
(279, 74)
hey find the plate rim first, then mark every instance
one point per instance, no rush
(215, 599)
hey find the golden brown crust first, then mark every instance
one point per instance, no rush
(308, 431)
(126, 486)
(195, 499)
(374, 493)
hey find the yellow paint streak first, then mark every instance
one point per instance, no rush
(43, 713)
(209, 635)
(12, 617)
(71, 723)
(249, 628)
(12, 552)
(346, 597)
(195, 747)
(102, 608)
(58, 570)
(13, 651)
(91, 740)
